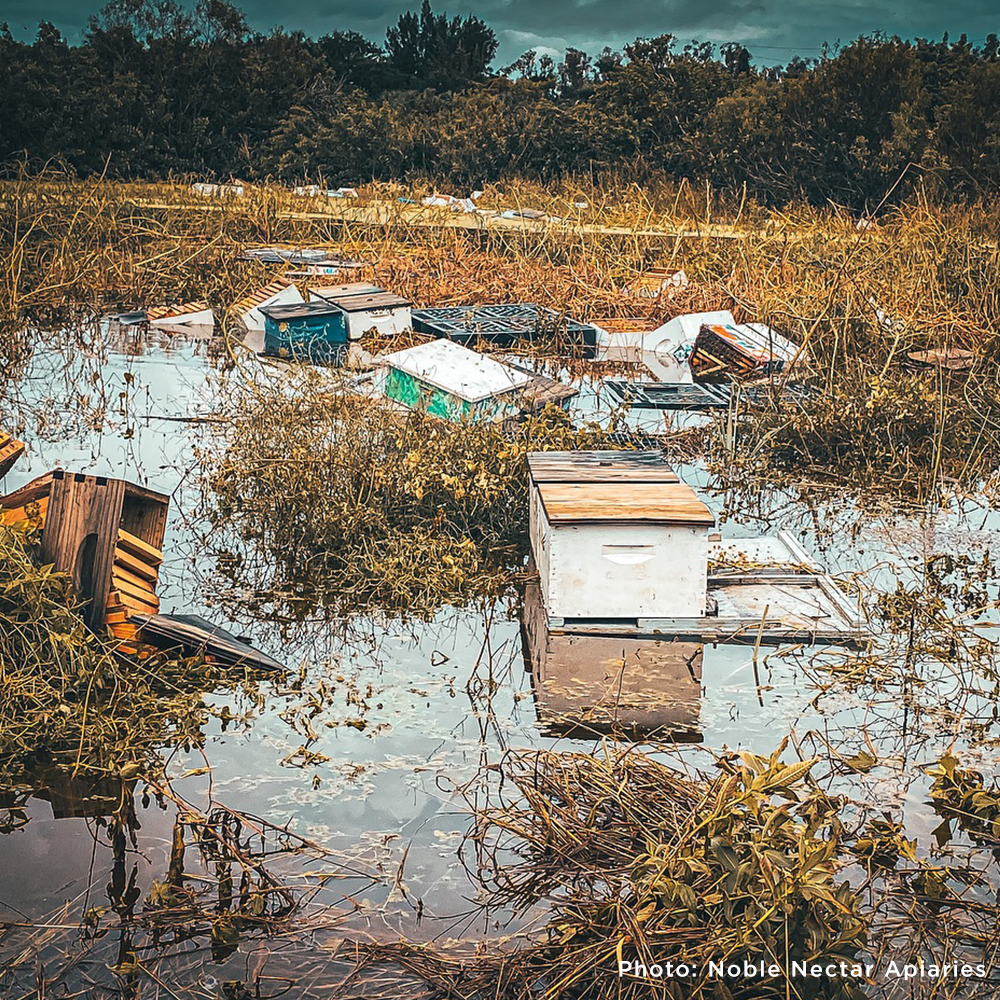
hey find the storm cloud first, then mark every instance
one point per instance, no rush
(773, 30)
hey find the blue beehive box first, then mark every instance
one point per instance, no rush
(306, 331)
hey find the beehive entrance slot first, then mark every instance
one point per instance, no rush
(83, 567)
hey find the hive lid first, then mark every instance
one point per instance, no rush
(600, 467)
(360, 296)
(457, 370)
(300, 310)
(660, 503)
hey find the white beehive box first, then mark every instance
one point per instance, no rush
(616, 535)
(367, 308)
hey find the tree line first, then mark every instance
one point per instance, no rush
(157, 90)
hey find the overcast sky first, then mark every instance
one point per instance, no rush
(773, 30)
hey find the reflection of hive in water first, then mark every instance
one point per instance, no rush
(586, 686)
(79, 796)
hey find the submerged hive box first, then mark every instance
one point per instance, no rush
(311, 331)
(505, 325)
(616, 535)
(452, 382)
(723, 351)
(366, 307)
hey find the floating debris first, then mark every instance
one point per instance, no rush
(180, 315)
(699, 395)
(10, 451)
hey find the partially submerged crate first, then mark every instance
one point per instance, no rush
(726, 351)
(309, 331)
(107, 534)
(616, 535)
(449, 381)
(506, 325)
(367, 308)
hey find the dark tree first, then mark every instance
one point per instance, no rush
(433, 50)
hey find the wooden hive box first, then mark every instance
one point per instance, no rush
(617, 536)
(725, 351)
(107, 534)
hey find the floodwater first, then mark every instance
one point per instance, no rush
(401, 721)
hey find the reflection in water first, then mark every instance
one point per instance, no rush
(587, 686)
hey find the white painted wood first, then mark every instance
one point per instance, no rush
(202, 318)
(253, 319)
(386, 322)
(619, 569)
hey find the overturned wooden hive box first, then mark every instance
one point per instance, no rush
(107, 534)
(729, 351)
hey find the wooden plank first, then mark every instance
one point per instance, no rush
(121, 575)
(135, 565)
(10, 451)
(600, 467)
(129, 589)
(144, 604)
(34, 490)
(147, 553)
(665, 503)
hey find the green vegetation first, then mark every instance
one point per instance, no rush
(156, 89)
(324, 500)
(70, 703)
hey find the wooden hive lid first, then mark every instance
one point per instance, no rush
(174, 310)
(600, 467)
(657, 503)
(300, 310)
